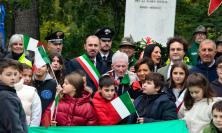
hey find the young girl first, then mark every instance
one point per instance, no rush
(176, 90)
(198, 101)
(74, 107)
(27, 74)
(57, 66)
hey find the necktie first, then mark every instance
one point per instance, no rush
(104, 58)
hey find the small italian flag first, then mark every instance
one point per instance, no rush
(31, 43)
(54, 106)
(47, 118)
(41, 57)
(123, 105)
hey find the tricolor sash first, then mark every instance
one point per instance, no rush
(179, 101)
(89, 67)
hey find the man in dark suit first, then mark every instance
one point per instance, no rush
(104, 57)
(88, 62)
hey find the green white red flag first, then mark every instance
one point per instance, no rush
(31, 43)
(123, 105)
(213, 5)
(41, 57)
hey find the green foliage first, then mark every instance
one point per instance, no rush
(79, 18)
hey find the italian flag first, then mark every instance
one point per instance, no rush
(31, 43)
(213, 5)
(123, 105)
(53, 111)
(41, 57)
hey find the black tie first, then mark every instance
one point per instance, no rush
(104, 58)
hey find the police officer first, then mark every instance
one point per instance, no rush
(55, 45)
(104, 57)
(199, 35)
(55, 42)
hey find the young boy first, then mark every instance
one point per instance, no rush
(153, 105)
(216, 85)
(45, 85)
(216, 124)
(12, 118)
(101, 101)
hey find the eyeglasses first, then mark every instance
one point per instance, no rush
(20, 44)
(176, 49)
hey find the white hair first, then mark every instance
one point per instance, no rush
(15, 38)
(119, 55)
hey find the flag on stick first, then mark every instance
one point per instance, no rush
(123, 105)
(213, 5)
(41, 57)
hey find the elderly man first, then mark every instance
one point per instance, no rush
(88, 63)
(199, 35)
(123, 78)
(206, 65)
(176, 49)
(104, 57)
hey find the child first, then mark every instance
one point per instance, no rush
(45, 85)
(30, 100)
(12, 118)
(57, 65)
(216, 124)
(153, 105)
(217, 84)
(101, 101)
(198, 101)
(176, 90)
(27, 74)
(74, 108)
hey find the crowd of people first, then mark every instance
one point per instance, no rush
(187, 86)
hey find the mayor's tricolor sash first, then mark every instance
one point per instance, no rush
(89, 67)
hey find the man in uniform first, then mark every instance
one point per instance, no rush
(199, 35)
(128, 46)
(104, 57)
(55, 42)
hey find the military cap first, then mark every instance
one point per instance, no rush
(219, 40)
(105, 34)
(200, 29)
(127, 41)
(56, 37)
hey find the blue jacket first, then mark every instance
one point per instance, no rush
(46, 90)
(154, 108)
(209, 72)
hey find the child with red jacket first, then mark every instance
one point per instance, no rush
(74, 108)
(101, 101)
